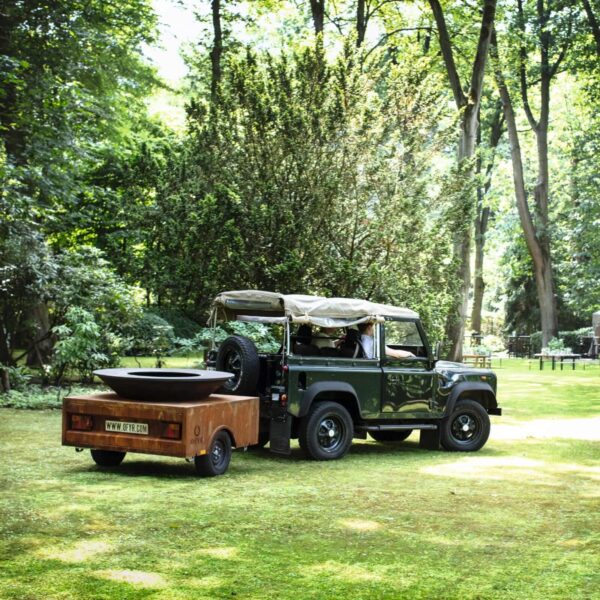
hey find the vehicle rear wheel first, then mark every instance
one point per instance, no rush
(107, 458)
(390, 436)
(326, 432)
(238, 355)
(216, 460)
(467, 428)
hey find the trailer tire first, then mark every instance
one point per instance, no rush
(238, 355)
(216, 460)
(107, 458)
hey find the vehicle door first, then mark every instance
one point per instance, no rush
(408, 383)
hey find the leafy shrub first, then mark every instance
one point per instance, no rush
(536, 342)
(150, 334)
(18, 377)
(82, 347)
(35, 397)
(267, 338)
(493, 343)
(183, 326)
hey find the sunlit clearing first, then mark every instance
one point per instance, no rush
(360, 525)
(78, 553)
(486, 467)
(205, 582)
(225, 552)
(576, 429)
(344, 572)
(141, 578)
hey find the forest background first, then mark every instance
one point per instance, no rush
(438, 155)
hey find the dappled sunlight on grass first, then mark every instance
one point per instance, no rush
(79, 552)
(345, 572)
(219, 553)
(577, 429)
(137, 578)
(360, 524)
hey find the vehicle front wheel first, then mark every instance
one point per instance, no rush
(467, 428)
(107, 458)
(390, 436)
(326, 432)
(216, 460)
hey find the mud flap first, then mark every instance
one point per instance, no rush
(430, 439)
(279, 435)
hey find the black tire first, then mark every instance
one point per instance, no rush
(107, 458)
(216, 460)
(238, 355)
(390, 436)
(467, 428)
(326, 432)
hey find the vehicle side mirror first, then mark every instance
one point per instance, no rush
(437, 350)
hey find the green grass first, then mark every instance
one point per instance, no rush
(519, 519)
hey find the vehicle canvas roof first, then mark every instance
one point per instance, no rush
(300, 308)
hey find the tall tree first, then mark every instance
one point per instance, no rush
(593, 21)
(468, 106)
(483, 210)
(317, 9)
(552, 38)
(217, 49)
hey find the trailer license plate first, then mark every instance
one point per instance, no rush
(125, 427)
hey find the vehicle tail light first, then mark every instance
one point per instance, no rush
(283, 399)
(82, 422)
(172, 431)
(285, 368)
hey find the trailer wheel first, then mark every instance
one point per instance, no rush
(216, 460)
(107, 458)
(238, 355)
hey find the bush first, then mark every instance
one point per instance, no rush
(18, 377)
(183, 326)
(150, 335)
(82, 346)
(570, 339)
(35, 398)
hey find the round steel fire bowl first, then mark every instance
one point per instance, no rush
(163, 385)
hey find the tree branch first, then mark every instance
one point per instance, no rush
(593, 24)
(563, 50)
(485, 33)
(522, 67)
(446, 48)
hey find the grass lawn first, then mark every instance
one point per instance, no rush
(519, 519)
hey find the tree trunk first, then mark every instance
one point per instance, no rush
(41, 352)
(468, 106)
(539, 251)
(482, 217)
(593, 24)
(217, 49)
(361, 22)
(317, 8)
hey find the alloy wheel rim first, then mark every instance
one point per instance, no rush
(330, 433)
(465, 427)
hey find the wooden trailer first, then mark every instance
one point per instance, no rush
(204, 430)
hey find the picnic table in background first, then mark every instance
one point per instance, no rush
(483, 361)
(557, 357)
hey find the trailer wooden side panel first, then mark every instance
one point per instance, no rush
(124, 425)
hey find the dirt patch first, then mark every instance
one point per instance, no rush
(576, 429)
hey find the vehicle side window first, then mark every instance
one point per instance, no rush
(403, 334)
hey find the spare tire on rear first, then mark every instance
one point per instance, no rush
(238, 355)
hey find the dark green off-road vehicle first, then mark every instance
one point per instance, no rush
(325, 390)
